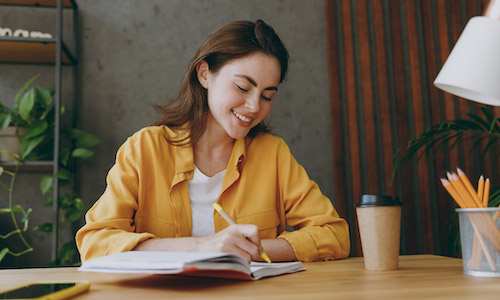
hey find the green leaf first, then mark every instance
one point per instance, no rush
(491, 143)
(36, 128)
(491, 120)
(45, 227)
(66, 202)
(494, 200)
(25, 219)
(84, 139)
(5, 210)
(79, 204)
(49, 202)
(467, 124)
(5, 119)
(487, 114)
(48, 115)
(24, 87)
(68, 250)
(73, 215)
(27, 104)
(46, 184)
(3, 253)
(43, 96)
(28, 145)
(64, 174)
(43, 151)
(479, 120)
(65, 156)
(18, 208)
(476, 145)
(82, 153)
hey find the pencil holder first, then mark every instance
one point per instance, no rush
(480, 240)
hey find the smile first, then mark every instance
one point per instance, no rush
(242, 118)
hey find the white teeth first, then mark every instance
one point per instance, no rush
(244, 119)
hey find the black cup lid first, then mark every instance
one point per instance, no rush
(378, 200)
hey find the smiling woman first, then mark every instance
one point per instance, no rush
(211, 146)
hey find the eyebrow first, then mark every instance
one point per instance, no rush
(271, 88)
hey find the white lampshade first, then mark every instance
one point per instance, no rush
(472, 70)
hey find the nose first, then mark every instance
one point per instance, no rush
(253, 103)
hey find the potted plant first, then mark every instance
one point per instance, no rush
(481, 129)
(31, 117)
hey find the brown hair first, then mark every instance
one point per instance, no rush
(233, 40)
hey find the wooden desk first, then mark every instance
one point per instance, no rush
(419, 277)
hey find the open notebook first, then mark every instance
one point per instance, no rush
(222, 265)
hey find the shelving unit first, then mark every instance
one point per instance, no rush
(18, 50)
(32, 51)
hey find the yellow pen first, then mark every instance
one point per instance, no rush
(230, 220)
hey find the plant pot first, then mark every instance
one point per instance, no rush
(9, 142)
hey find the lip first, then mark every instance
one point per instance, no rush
(241, 122)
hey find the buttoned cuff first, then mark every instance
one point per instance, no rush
(303, 245)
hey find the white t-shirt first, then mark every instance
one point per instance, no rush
(204, 192)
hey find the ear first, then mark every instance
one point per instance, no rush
(203, 72)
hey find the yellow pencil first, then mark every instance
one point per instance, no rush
(480, 190)
(230, 220)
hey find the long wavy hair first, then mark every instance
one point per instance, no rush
(187, 112)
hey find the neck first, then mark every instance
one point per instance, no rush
(214, 138)
(213, 150)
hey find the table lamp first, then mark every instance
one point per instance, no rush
(472, 71)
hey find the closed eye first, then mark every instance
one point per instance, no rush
(265, 98)
(241, 89)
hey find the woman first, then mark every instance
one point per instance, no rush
(211, 146)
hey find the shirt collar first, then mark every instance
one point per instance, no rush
(184, 158)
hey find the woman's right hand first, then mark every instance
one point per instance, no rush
(242, 239)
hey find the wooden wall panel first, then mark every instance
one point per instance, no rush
(383, 56)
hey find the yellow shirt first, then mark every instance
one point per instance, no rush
(147, 197)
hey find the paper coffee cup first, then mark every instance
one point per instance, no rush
(379, 220)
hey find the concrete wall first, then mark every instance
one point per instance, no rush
(136, 52)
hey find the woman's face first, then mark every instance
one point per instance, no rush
(240, 94)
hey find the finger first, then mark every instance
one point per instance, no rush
(249, 231)
(244, 244)
(243, 254)
(232, 241)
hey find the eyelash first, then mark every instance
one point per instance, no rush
(244, 90)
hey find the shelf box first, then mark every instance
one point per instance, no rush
(30, 51)
(45, 3)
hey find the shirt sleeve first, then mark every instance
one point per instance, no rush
(110, 226)
(320, 234)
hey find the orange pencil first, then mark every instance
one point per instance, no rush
(480, 189)
(469, 188)
(486, 250)
(453, 193)
(461, 190)
(486, 195)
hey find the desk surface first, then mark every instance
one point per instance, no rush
(419, 277)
